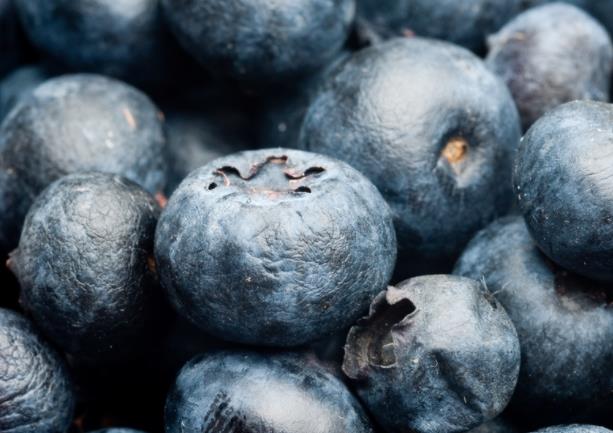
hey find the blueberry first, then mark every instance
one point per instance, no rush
(564, 323)
(466, 23)
(433, 129)
(575, 428)
(20, 84)
(36, 394)
(261, 41)
(78, 123)
(118, 430)
(563, 186)
(123, 39)
(86, 268)
(497, 425)
(274, 247)
(550, 55)
(248, 392)
(436, 354)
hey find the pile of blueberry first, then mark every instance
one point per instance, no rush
(306, 216)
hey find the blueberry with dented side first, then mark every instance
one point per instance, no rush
(78, 123)
(437, 354)
(564, 323)
(433, 129)
(274, 247)
(563, 179)
(279, 393)
(465, 23)
(36, 393)
(550, 55)
(86, 268)
(261, 41)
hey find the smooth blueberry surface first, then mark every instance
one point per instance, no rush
(20, 84)
(601, 9)
(465, 23)
(564, 186)
(86, 268)
(564, 323)
(241, 391)
(274, 247)
(79, 123)
(436, 354)
(255, 40)
(36, 394)
(126, 39)
(550, 55)
(433, 129)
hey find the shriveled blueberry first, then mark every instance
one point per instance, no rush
(433, 129)
(261, 41)
(19, 84)
(436, 354)
(36, 394)
(564, 323)
(86, 268)
(274, 247)
(465, 23)
(80, 123)
(249, 392)
(123, 39)
(563, 178)
(550, 55)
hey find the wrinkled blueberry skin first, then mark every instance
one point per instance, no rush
(392, 110)
(465, 23)
(19, 84)
(85, 265)
(574, 428)
(36, 394)
(123, 39)
(79, 123)
(243, 391)
(564, 187)
(564, 323)
(274, 247)
(255, 41)
(436, 354)
(550, 55)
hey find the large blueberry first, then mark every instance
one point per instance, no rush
(433, 129)
(126, 39)
(550, 55)
(464, 22)
(78, 123)
(259, 40)
(36, 394)
(248, 392)
(563, 179)
(274, 247)
(85, 265)
(437, 354)
(564, 323)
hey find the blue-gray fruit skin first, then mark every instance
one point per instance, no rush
(126, 40)
(550, 55)
(36, 393)
(433, 129)
(564, 323)
(261, 41)
(274, 247)
(437, 354)
(574, 428)
(20, 84)
(79, 123)
(465, 23)
(85, 265)
(242, 391)
(601, 9)
(562, 178)
(497, 425)
(118, 430)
